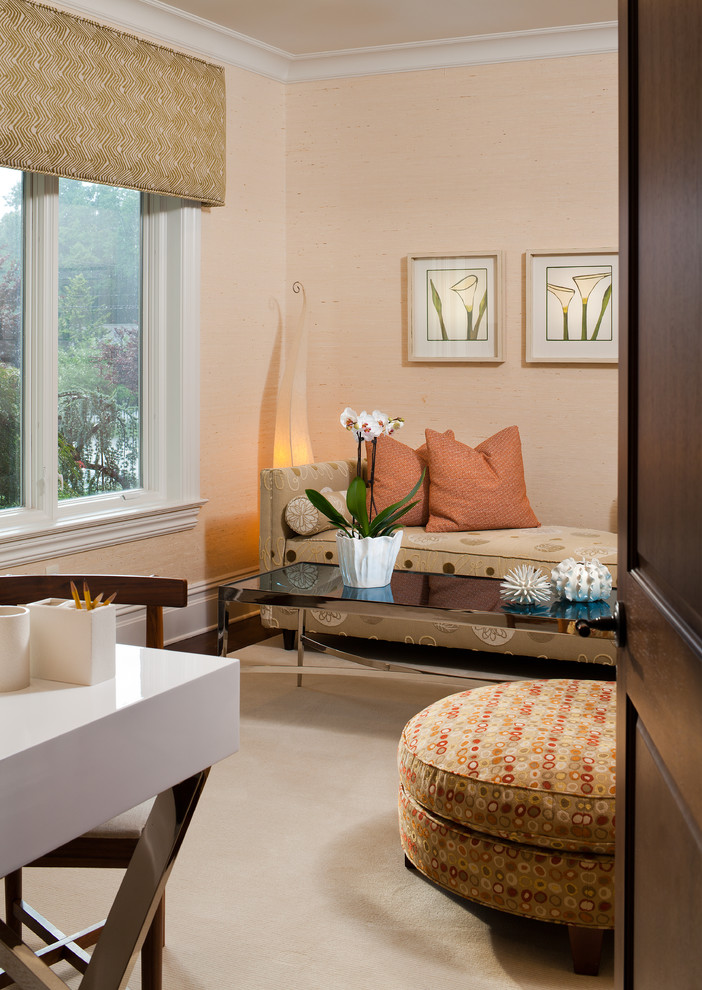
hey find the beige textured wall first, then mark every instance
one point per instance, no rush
(517, 156)
(243, 252)
(357, 174)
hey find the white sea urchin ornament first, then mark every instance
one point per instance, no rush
(581, 581)
(525, 585)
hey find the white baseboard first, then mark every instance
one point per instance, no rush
(199, 615)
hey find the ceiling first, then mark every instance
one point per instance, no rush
(306, 27)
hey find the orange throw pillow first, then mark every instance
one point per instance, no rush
(481, 488)
(397, 471)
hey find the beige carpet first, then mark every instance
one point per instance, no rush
(292, 875)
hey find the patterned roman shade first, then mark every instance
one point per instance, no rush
(85, 101)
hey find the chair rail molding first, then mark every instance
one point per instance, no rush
(212, 41)
(198, 616)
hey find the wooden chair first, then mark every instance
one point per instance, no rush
(112, 845)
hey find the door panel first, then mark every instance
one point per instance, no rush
(667, 873)
(659, 852)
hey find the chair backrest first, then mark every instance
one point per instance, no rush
(130, 589)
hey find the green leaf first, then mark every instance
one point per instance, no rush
(389, 515)
(327, 509)
(481, 312)
(390, 524)
(356, 502)
(438, 306)
(605, 302)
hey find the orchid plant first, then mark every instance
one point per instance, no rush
(366, 427)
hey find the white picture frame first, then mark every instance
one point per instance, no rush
(572, 306)
(455, 307)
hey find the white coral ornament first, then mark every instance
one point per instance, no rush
(581, 581)
(525, 585)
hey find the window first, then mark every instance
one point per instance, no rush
(99, 365)
(99, 339)
(10, 338)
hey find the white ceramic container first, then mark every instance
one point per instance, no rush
(70, 644)
(367, 562)
(14, 647)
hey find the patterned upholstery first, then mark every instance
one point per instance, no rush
(484, 553)
(507, 797)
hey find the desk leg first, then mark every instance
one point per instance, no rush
(135, 904)
(300, 644)
(222, 626)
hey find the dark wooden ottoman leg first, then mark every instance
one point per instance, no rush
(289, 639)
(586, 948)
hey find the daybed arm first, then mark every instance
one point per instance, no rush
(278, 486)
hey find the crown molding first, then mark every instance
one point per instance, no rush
(581, 39)
(167, 25)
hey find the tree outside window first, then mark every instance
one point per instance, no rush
(10, 338)
(99, 339)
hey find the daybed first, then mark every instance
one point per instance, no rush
(487, 553)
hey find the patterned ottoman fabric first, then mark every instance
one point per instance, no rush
(507, 797)
(531, 762)
(537, 883)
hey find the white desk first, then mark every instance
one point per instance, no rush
(73, 757)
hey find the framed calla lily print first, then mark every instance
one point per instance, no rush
(455, 307)
(572, 306)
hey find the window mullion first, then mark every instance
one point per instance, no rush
(188, 284)
(41, 335)
(155, 278)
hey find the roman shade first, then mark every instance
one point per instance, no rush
(88, 102)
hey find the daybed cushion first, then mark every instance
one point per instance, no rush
(484, 553)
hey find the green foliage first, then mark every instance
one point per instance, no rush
(10, 437)
(99, 340)
(98, 438)
(385, 523)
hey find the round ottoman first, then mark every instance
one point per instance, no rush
(507, 798)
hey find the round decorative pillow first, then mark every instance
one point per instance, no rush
(305, 520)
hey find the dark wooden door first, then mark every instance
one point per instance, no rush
(659, 854)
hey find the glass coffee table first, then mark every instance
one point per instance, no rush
(461, 598)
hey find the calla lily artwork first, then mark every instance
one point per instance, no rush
(585, 284)
(572, 306)
(454, 307)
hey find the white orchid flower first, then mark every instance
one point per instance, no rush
(369, 426)
(394, 425)
(349, 419)
(382, 419)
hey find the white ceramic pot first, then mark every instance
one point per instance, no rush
(72, 645)
(14, 647)
(367, 562)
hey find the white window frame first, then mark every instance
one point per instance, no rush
(169, 501)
